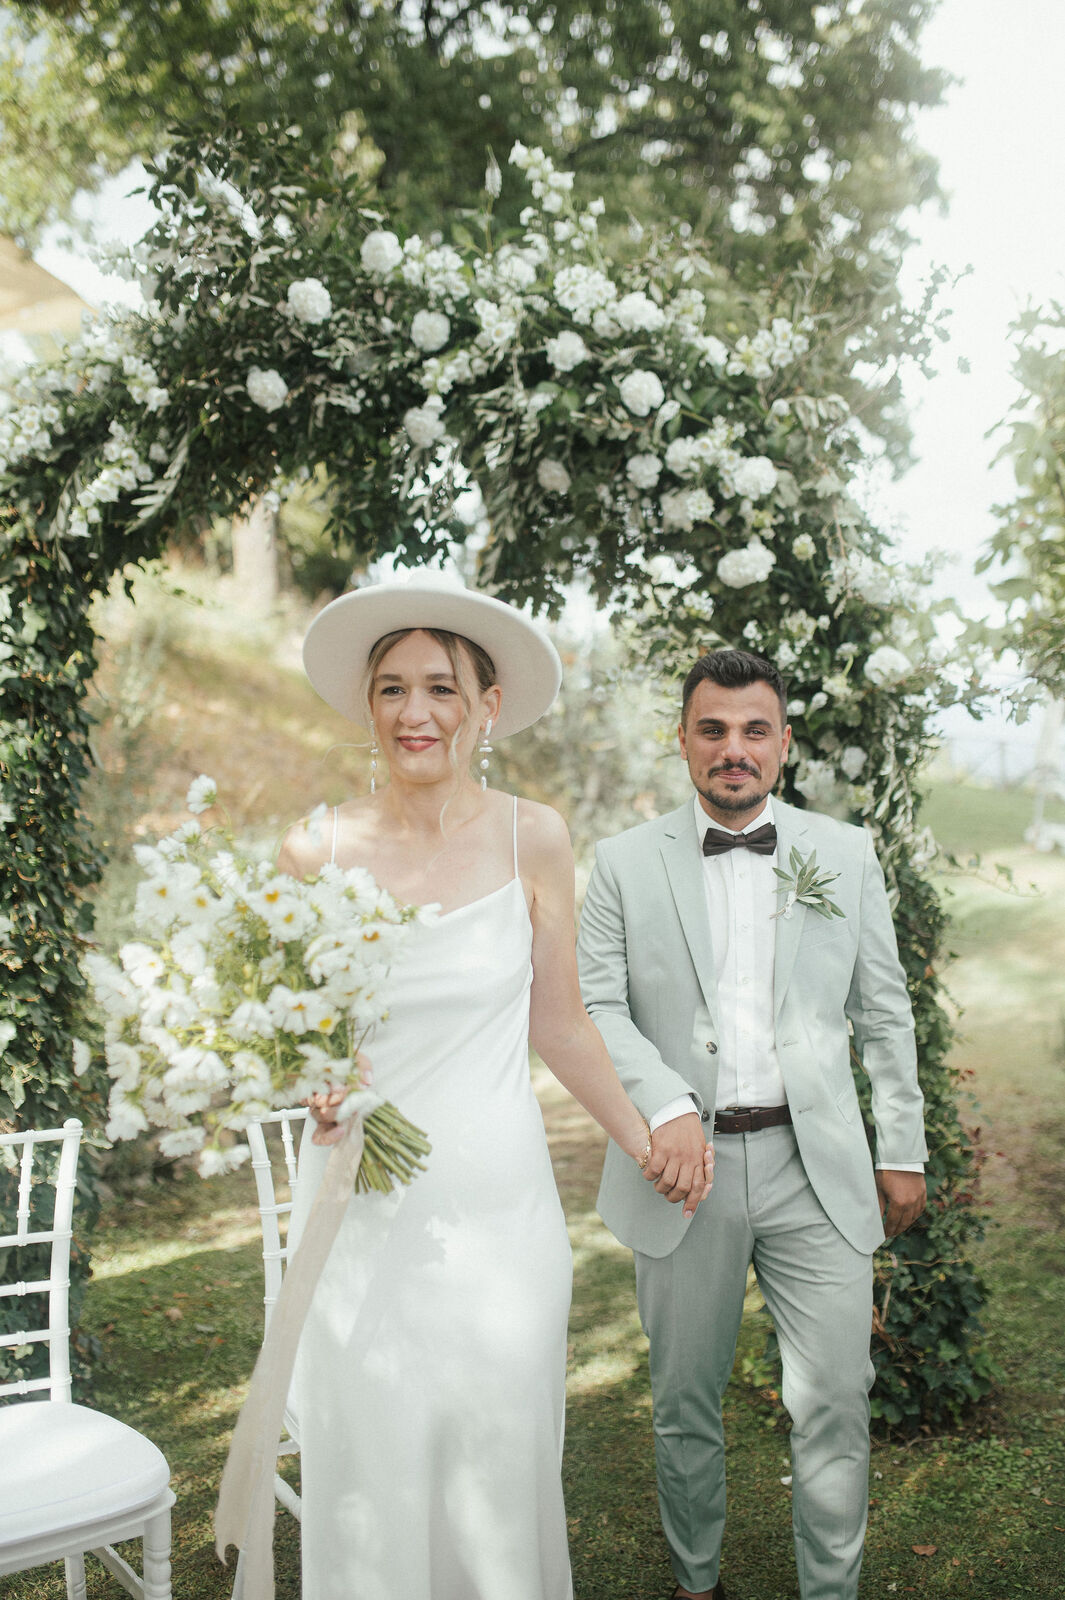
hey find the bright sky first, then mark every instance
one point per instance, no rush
(1000, 142)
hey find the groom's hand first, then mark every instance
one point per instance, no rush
(902, 1199)
(682, 1163)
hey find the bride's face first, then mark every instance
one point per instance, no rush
(420, 711)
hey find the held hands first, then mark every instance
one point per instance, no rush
(681, 1164)
(902, 1199)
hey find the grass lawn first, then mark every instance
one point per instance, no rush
(175, 1304)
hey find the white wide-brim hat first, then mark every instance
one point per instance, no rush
(339, 640)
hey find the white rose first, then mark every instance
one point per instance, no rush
(886, 666)
(754, 476)
(424, 424)
(713, 352)
(429, 330)
(567, 351)
(309, 300)
(641, 391)
(552, 476)
(804, 548)
(644, 471)
(682, 457)
(816, 782)
(637, 311)
(381, 252)
(267, 388)
(752, 564)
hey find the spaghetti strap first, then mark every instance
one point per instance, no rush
(516, 872)
(333, 852)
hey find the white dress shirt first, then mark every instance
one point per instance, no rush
(741, 899)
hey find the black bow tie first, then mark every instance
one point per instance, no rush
(763, 841)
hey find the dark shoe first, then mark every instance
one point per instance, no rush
(718, 1592)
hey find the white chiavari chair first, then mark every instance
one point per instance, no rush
(72, 1480)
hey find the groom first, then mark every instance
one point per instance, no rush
(725, 1004)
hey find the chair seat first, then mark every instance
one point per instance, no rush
(63, 1465)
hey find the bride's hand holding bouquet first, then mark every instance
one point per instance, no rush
(246, 991)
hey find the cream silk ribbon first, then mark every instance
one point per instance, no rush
(244, 1515)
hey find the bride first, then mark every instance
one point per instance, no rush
(429, 1385)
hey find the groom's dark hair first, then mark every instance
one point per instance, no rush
(734, 669)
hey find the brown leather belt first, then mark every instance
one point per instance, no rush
(751, 1119)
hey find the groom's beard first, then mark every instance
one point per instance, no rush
(725, 800)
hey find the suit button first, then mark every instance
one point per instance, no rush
(705, 1115)
(711, 1046)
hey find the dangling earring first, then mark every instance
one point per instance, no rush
(485, 752)
(373, 758)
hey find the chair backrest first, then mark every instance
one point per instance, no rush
(23, 1148)
(267, 1154)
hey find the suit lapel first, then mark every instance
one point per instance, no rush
(683, 864)
(791, 833)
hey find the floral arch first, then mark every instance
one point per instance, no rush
(628, 424)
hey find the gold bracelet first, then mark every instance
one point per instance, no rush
(645, 1156)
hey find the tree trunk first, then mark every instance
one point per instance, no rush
(255, 559)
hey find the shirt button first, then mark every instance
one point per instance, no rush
(711, 1047)
(705, 1116)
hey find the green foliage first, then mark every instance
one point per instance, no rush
(782, 130)
(1030, 542)
(718, 510)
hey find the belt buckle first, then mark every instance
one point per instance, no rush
(741, 1118)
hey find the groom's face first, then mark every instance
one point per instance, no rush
(735, 742)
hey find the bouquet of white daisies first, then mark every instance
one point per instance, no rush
(245, 992)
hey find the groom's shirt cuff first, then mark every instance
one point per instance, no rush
(673, 1109)
(894, 1166)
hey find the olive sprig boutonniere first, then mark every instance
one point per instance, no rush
(806, 886)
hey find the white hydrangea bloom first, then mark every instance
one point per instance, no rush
(852, 761)
(641, 391)
(267, 388)
(752, 564)
(429, 330)
(566, 351)
(381, 252)
(887, 666)
(644, 470)
(310, 301)
(552, 476)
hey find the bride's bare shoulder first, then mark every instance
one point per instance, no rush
(306, 845)
(542, 832)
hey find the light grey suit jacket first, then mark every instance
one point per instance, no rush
(647, 977)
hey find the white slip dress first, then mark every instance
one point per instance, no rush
(429, 1390)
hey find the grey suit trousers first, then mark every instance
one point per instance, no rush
(818, 1289)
